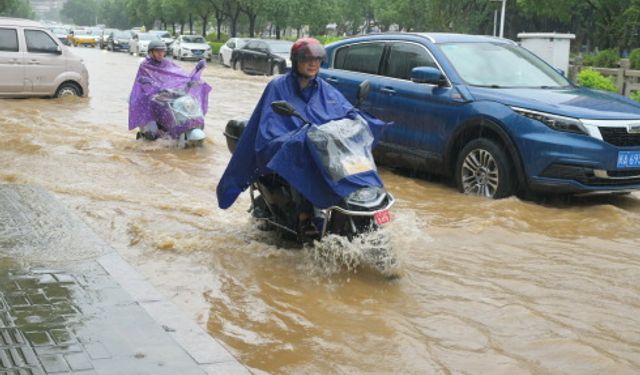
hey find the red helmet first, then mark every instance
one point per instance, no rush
(307, 48)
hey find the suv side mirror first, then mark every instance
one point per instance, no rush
(427, 74)
(59, 50)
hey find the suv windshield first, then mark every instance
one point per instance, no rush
(501, 65)
(193, 39)
(122, 35)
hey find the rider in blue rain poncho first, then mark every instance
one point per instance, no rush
(274, 143)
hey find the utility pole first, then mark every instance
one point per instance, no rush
(495, 16)
(504, 2)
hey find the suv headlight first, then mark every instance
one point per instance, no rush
(555, 122)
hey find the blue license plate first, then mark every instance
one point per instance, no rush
(629, 159)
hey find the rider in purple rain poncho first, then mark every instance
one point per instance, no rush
(273, 143)
(157, 73)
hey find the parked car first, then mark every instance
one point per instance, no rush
(139, 43)
(118, 40)
(224, 55)
(33, 62)
(164, 35)
(263, 56)
(62, 34)
(83, 37)
(490, 114)
(191, 47)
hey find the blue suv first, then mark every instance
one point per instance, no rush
(489, 113)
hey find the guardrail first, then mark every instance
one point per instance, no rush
(626, 80)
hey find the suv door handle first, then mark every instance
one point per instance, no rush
(332, 79)
(34, 62)
(388, 90)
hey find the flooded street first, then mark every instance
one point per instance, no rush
(495, 287)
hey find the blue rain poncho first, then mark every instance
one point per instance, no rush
(273, 143)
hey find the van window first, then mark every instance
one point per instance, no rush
(363, 57)
(405, 56)
(8, 40)
(39, 41)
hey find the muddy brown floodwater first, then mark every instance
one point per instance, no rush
(493, 287)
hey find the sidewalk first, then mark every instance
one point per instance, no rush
(69, 304)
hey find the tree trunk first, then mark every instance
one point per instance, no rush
(234, 22)
(252, 24)
(277, 31)
(190, 23)
(219, 18)
(205, 20)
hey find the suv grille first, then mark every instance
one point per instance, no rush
(619, 137)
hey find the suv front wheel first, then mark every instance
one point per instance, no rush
(484, 169)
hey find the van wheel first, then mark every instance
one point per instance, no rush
(484, 169)
(236, 66)
(67, 89)
(220, 59)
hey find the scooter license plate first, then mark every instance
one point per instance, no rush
(382, 217)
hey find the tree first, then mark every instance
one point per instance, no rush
(114, 14)
(81, 12)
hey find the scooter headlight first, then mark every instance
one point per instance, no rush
(364, 195)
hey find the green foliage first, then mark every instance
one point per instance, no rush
(594, 80)
(634, 58)
(635, 95)
(215, 47)
(81, 12)
(326, 39)
(589, 59)
(608, 58)
(16, 8)
(213, 38)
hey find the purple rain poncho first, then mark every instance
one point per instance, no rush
(154, 77)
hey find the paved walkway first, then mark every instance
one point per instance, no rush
(69, 304)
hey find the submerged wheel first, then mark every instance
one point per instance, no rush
(67, 89)
(275, 69)
(484, 169)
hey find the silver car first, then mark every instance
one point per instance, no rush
(33, 62)
(192, 47)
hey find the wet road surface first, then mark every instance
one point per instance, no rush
(504, 286)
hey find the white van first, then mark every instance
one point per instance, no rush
(33, 62)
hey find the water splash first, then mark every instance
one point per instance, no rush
(369, 251)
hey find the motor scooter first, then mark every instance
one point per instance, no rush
(343, 148)
(177, 113)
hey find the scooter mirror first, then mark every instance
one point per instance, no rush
(363, 92)
(201, 65)
(282, 107)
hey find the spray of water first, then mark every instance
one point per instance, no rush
(369, 251)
